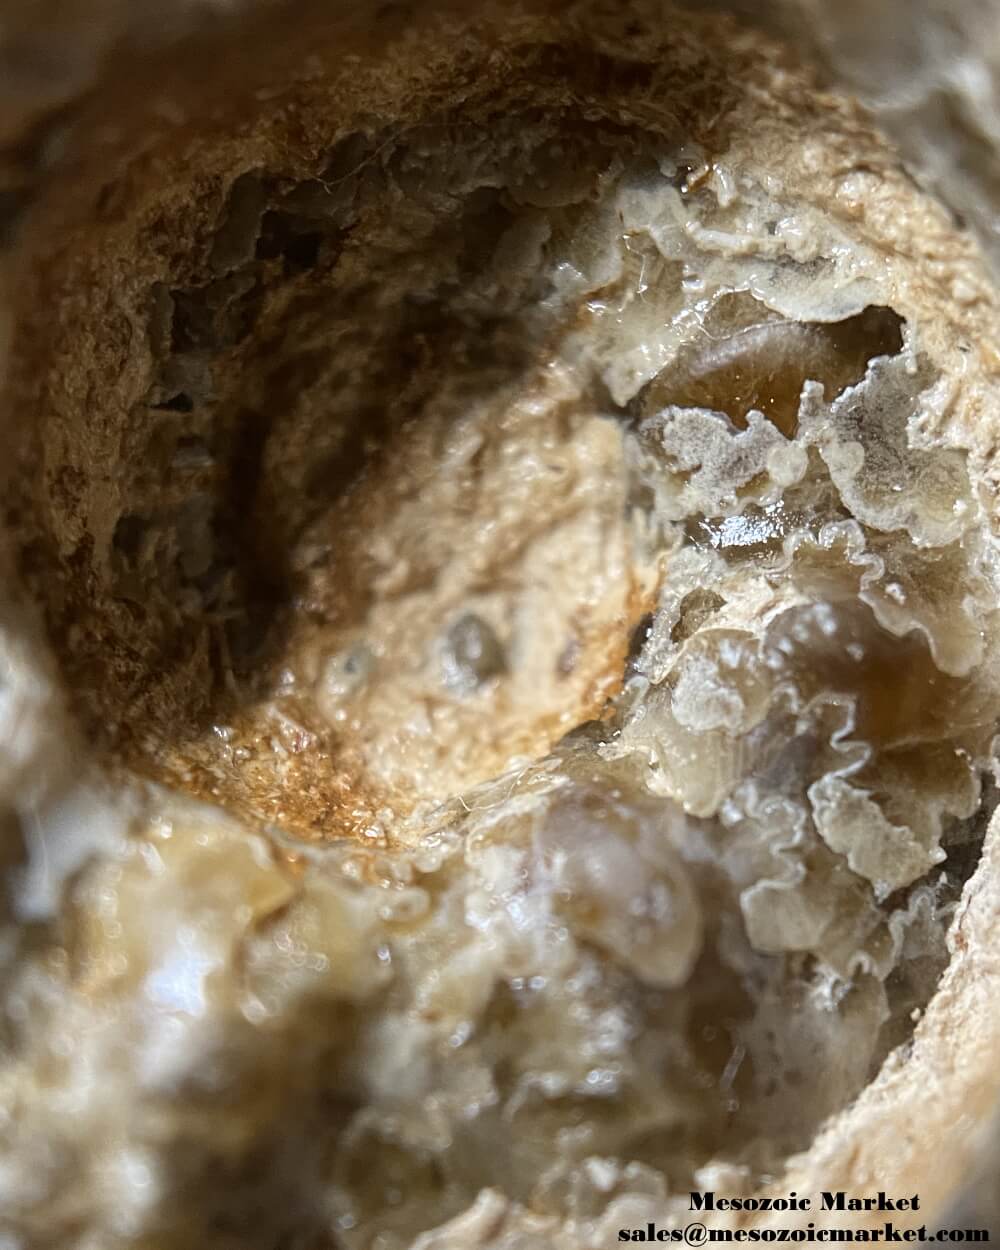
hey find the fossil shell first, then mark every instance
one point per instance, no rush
(501, 644)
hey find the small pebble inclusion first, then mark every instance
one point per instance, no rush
(685, 924)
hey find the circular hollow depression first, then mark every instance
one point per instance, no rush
(367, 540)
(532, 475)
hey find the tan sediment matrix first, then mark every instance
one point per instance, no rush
(512, 505)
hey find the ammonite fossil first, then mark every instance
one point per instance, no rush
(501, 654)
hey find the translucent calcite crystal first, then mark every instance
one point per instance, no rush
(750, 360)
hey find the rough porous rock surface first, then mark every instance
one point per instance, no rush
(502, 656)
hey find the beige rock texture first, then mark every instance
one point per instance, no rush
(501, 630)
